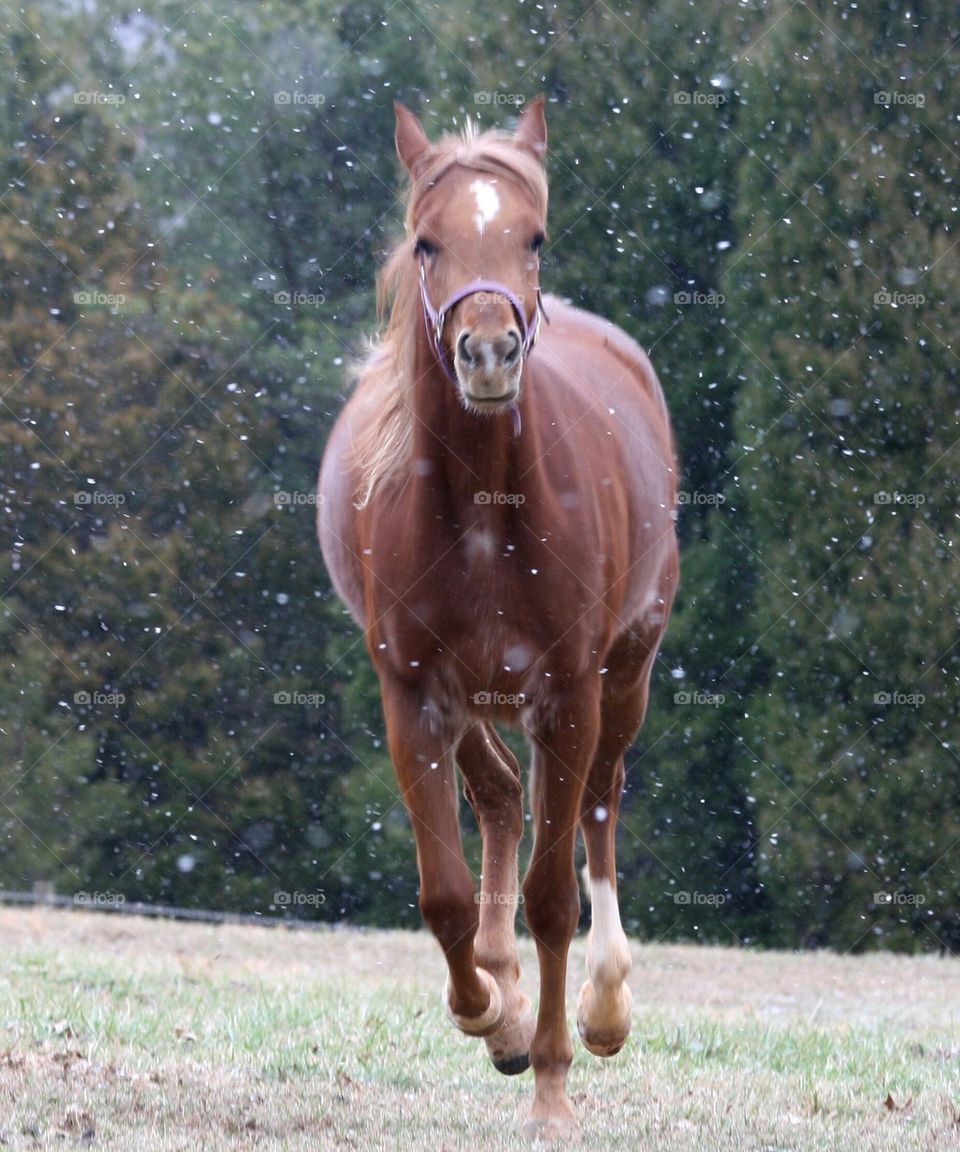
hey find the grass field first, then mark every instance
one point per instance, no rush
(131, 1034)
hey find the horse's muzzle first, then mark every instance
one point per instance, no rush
(488, 366)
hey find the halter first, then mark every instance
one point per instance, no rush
(434, 318)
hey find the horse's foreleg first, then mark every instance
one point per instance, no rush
(492, 777)
(423, 759)
(564, 742)
(604, 1005)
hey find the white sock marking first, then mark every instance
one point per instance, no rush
(608, 954)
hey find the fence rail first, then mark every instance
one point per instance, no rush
(41, 898)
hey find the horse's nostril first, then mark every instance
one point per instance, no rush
(513, 351)
(463, 350)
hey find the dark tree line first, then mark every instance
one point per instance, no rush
(191, 216)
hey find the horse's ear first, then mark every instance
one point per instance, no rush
(411, 139)
(532, 129)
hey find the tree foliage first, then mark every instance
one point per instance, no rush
(192, 213)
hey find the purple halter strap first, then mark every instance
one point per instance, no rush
(434, 318)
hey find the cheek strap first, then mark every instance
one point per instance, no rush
(434, 318)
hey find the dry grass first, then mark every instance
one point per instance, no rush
(129, 1034)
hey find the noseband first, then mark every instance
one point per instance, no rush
(434, 318)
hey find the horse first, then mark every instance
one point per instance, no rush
(496, 507)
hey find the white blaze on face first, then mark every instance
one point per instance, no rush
(488, 203)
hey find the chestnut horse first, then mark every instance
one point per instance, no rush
(497, 511)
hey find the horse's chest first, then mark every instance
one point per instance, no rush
(491, 615)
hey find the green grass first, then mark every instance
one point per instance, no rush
(130, 1034)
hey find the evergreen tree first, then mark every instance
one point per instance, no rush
(160, 694)
(848, 419)
(193, 210)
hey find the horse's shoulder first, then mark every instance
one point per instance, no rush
(566, 321)
(571, 327)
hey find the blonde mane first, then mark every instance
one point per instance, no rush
(385, 438)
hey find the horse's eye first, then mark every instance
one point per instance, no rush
(424, 248)
(537, 242)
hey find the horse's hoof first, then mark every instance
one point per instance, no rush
(509, 1048)
(599, 1044)
(487, 1022)
(606, 1036)
(512, 1065)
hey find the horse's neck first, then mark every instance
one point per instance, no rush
(464, 459)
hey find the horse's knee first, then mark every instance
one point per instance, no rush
(492, 778)
(508, 815)
(603, 791)
(450, 912)
(551, 907)
(499, 805)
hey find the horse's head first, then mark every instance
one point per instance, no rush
(475, 225)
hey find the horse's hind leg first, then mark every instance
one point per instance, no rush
(603, 1009)
(492, 778)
